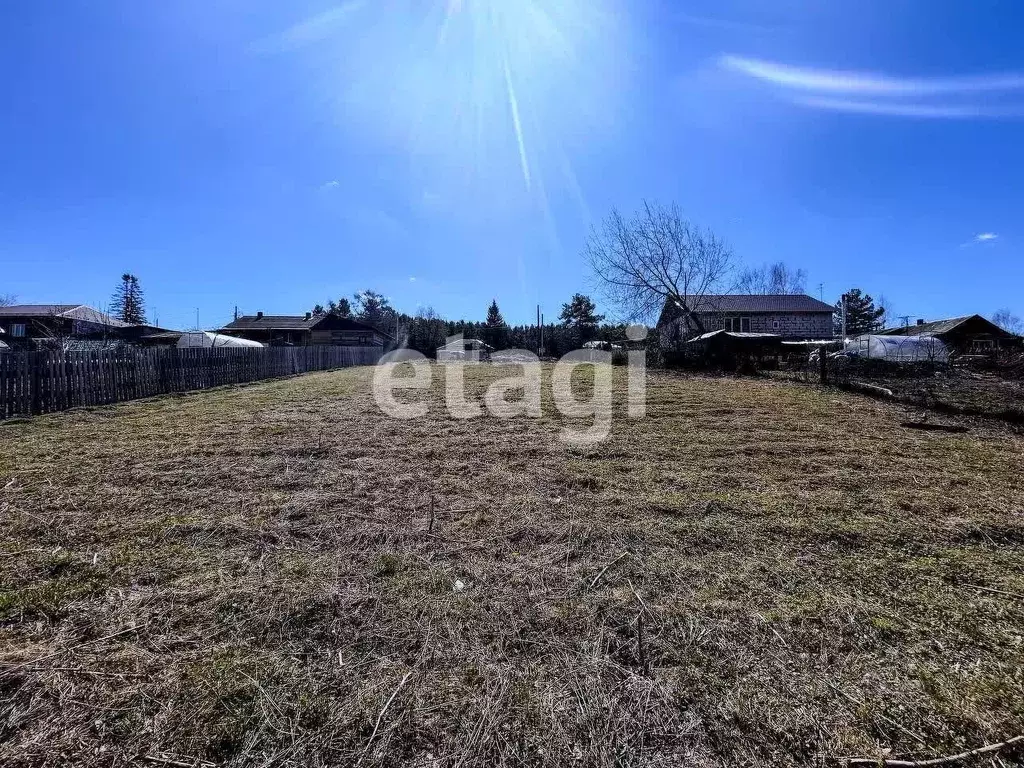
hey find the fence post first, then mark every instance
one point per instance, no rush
(34, 373)
(823, 364)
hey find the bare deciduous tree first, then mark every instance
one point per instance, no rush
(8, 300)
(657, 256)
(1008, 321)
(888, 317)
(772, 279)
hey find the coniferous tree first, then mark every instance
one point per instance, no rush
(580, 318)
(862, 316)
(494, 318)
(341, 308)
(373, 309)
(128, 303)
(495, 330)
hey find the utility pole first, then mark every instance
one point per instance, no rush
(540, 339)
(821, 291)
(906, 320)
(236, 311)
(197, 318)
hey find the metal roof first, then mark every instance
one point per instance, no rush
(298, 323)
(273, 323)
(80, 312)
(942, 327)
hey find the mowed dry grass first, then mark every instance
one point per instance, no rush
(756, 574)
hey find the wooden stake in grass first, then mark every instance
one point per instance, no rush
(430, 528)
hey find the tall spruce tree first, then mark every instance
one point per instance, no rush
(495, 330)
(862, 316)
(494, 318)
(128, 304)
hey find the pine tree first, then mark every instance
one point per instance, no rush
(494, 318)
(374, 309)
(341, 307)
(495, 330)
(580, 319)
(861, 314)
(580, 314)
(128, 303)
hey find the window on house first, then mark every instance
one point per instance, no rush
(775, 325)
(18, 330)
(729, 324)
(745, 324)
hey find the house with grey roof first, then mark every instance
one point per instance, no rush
(25, 325)
(310, 329)
(972, 334)
(789, 317)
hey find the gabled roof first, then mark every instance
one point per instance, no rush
(80, 312)
(973, 324)
(743, 302)
(298, 323)
(272, 323)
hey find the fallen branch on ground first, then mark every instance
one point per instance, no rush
(986, 750)
(872, 389)
(933, 427)
(380, 716)
(613, 562)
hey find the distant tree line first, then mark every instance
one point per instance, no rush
(425, 331)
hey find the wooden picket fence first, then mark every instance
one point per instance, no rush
(33, 383)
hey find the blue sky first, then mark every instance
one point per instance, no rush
(273, 155)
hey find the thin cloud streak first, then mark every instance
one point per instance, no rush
(311, 30)
(896, 109)
(867, 83)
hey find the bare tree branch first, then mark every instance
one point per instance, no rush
(772, 279)
(657, 256)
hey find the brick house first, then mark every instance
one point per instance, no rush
(792, 317)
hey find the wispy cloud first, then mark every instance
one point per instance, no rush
(869, 83)
(874, 93)
(332, 184)
(310, 30)
(898, 109)
(980, 239)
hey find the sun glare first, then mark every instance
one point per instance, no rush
(486, 87)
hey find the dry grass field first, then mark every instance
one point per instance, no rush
(757, 574)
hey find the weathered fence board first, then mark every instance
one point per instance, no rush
(33, 383)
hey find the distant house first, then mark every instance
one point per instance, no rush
(971, 334)
(301, 331)
(789, 317)
(466, 350)
(25, 325)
